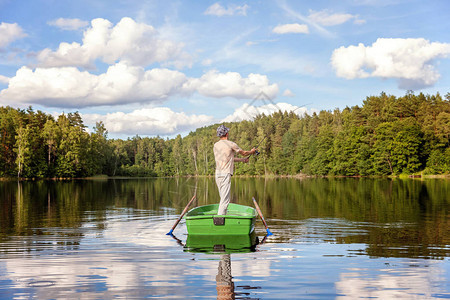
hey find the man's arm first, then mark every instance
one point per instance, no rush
(247, 153)
(243, 159)
(244, 153)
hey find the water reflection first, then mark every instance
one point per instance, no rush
(132, 258)
(224, 280)
(224, 246)
(394, 218)
(106, 239)
(221, 243)
(409, 277)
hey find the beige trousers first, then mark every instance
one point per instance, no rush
(223, 182)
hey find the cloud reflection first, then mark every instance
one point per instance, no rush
(130, 257)
(393, 282)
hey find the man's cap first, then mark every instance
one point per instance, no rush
(222, 130)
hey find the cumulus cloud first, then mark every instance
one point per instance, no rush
(129, 41)
(149, 121)
(68, 24)
(63, 79)
(10, 33)
(411, 61)
(122, 83)
(326, 18)
(249, 112)
(232, 84)
(70, 87)
(291, 28)
(218, 10)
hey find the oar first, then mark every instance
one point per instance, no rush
(181, 216)
(262, 218)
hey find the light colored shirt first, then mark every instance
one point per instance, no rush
(224, 151)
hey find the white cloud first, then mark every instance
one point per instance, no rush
(359, 21)
(149, 121)
(122, 83)
(408, 60)
(232, 84)
(288, 93)
(207, 62)
(47, 85)
(249, 112)
(4, 79)
(294, 14)
(218, 10)
(135, 43)
(326, 18)
(9, 33)
(68, 24)
(70, 87)
(291, 28)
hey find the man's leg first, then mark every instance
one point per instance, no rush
(224, 185)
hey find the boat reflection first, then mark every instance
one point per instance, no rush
(219, 244)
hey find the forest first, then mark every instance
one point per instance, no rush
(386, 135)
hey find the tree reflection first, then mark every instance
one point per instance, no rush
(393, 217)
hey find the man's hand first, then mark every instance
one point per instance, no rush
(245, 160)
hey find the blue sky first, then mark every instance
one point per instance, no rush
(168, 67)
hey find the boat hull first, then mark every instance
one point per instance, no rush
(203, 220)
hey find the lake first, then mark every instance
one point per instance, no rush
(335, 238)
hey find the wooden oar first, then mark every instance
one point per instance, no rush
(181, 216)
(262, 218)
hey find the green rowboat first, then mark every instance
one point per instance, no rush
(203, 220)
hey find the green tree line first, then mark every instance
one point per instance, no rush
(387, 135)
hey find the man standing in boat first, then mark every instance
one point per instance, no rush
(224, 151)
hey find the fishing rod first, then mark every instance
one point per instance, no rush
(257, 152)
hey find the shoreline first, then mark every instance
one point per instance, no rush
(268, 176)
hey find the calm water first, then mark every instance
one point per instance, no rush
(333, 239)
